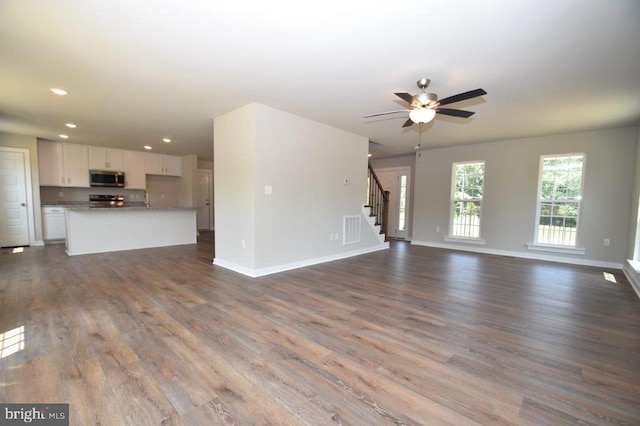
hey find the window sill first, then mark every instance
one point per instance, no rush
(556, 249)
(466, 240)
(635, 265)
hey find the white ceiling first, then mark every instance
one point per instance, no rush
(138, 71)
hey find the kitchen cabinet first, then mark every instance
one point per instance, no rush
(134, 173)
(159, 164)
(63, 164)
(101, 158)
(53, 224)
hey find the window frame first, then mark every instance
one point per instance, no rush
(452, 200)
(559, 247)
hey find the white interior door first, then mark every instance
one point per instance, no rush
(14, 222)
(204, 199)
(396, 181)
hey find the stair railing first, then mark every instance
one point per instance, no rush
(378, 201)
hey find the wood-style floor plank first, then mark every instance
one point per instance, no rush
(410, 335)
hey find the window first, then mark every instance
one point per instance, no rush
(466, 199)
(402, 206)
(559, 195)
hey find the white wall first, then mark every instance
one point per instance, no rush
(234, 202)
(305, 163)
(393, 162)
(511, 180)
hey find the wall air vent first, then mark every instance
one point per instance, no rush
(351, 230)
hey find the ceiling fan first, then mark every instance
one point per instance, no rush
(424, 106)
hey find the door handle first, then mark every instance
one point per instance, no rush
(23, 204)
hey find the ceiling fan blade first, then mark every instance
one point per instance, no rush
(408, 123)
(462, 96)
(385, 113)
(405, 97)
(455, 112)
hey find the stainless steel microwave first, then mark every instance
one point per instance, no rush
(107, 178)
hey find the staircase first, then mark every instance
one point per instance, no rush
(377, 205)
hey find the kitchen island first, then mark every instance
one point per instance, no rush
(99, 230)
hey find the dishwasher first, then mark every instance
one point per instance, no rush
(53, 226)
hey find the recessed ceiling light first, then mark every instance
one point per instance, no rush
(71, 125)
(64, 136)
(60, 92)
(147, 147)
(166, 140)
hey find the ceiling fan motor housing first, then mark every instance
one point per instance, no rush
(423, 83)
(424, 100)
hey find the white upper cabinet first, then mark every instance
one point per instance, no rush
(76, 165)
(172, 165)
(50, 164)
(158, 164)
(134, 175)
(63, 164)
(101, 158)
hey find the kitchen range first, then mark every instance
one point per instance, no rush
(106, 201)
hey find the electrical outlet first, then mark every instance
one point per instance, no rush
(437, 229)
(243, 244)
(60, 194)
(607, 242)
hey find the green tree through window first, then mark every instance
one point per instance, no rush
(467, 193)
(559, 199)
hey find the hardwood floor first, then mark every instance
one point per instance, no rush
(410, 335)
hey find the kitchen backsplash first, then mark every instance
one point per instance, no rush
(164, 191)
(50, 194)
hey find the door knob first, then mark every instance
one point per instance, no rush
(23, 204)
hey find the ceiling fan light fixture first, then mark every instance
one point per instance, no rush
(422, 115)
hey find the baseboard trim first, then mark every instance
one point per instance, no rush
(534, 256)
(255, 273)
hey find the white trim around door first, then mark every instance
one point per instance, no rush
(29, 193)
(399, 181)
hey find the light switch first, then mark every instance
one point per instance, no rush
(268, 190)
